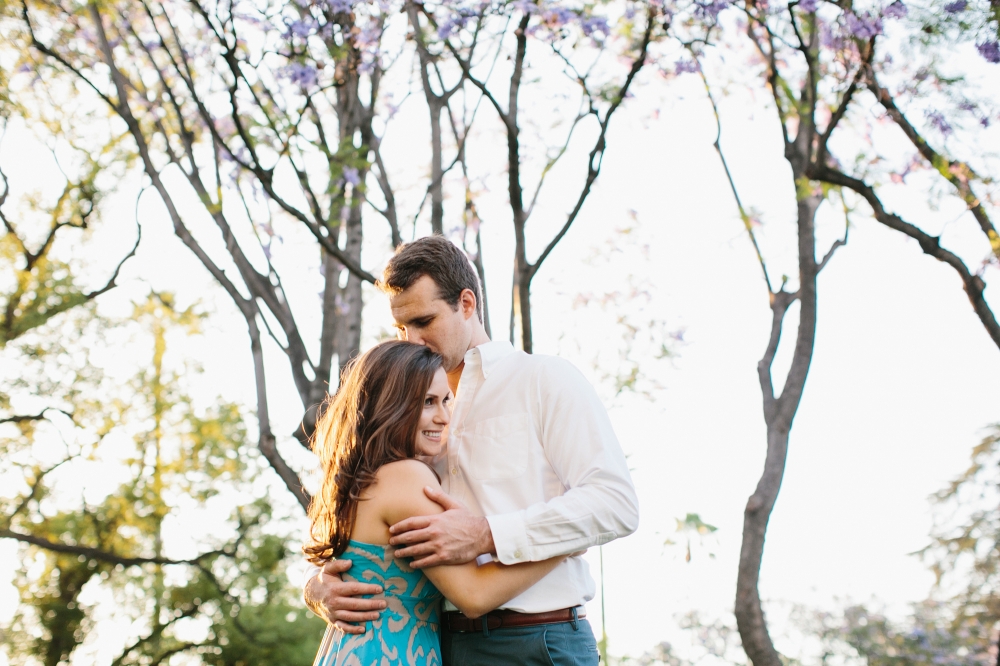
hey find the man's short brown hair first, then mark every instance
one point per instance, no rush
(440, 260)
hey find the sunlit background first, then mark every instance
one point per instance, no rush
(655, 294)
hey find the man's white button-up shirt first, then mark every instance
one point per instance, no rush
(531, 447)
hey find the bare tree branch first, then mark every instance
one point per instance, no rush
(744, 216)
(974, 285)
(102, 555)
(956, 172)
(597, 153)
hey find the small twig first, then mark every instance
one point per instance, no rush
(744, 216)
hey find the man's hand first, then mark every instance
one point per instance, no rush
(453, 537)
(332, 599)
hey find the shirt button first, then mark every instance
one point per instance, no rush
(454, 471)
(517, 554)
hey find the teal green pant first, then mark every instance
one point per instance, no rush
(545, 645)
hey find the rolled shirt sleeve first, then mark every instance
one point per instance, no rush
(599, 503)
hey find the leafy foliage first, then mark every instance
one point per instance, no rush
(105, 549)
(965, 551)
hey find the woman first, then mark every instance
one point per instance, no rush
(392, 409)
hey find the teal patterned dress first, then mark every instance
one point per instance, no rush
(408, 633)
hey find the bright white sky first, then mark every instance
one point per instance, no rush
(903, 381)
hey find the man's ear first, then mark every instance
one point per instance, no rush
(467, 301)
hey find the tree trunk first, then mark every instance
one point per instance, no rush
(749, 612)
(437, 169)
(779, 413)
(478, 263)
(349, 334)
(522, 302)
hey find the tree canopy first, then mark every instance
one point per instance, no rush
(335, 130)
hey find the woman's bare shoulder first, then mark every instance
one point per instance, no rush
(401, 486)
(410, 472)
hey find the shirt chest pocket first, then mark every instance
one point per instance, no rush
(499, 447)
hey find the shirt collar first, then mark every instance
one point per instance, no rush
(489, 354)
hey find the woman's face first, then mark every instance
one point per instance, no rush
(432, 433)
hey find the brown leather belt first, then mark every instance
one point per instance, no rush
(458, 622)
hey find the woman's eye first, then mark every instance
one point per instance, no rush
(428, 402)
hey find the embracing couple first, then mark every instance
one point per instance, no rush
(458, 468)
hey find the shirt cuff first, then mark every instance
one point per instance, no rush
(510, 536)
(311, 571)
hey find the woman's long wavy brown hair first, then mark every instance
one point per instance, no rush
(371, 421)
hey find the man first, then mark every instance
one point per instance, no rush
(531, 453)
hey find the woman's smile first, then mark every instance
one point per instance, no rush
(435, 417)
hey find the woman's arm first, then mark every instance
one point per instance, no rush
(475, 590)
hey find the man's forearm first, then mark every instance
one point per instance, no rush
(582, 518)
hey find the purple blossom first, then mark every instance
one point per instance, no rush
(340, 6)
(828, 38)
(301, 74)
(369, 36)
(595, 24)
(683, 66)
(239, 154)
(525, 6)
(450, 27)
(863, 27)
(990, 50)
(301, 28)
(558, 16)
(896, 10)
(808, 6)
(710, 10)
(937, 120)
(351, 176)
(956, 7)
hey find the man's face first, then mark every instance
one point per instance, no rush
(423, 317)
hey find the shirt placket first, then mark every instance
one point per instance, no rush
(468, 386)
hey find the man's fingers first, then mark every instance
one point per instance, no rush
(355, 589)
(413, 536)
(349, 628)
(336, 567)
(431, 561)
(351, 604)
(347, 616)
(413, 523)
(443, 498)
(416, 550)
